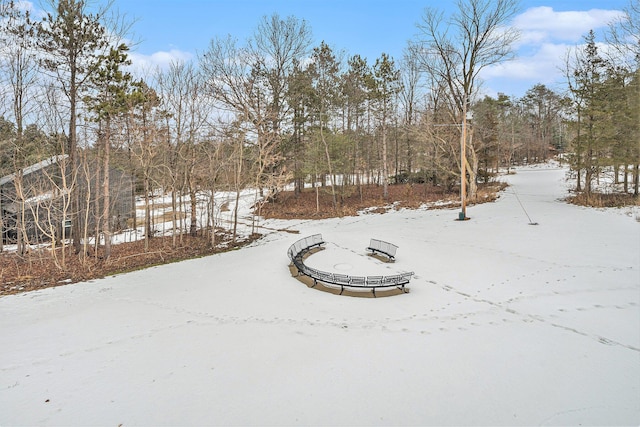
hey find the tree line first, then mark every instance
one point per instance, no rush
(276, 111)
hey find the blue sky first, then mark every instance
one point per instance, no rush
(180, 29)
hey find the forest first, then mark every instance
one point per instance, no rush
(84, 139)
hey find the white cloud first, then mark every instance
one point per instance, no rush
(142, 63)
(546, 37)
(544, 65)
(540, 24)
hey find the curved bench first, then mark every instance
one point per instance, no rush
(299, 249)
(385, 248)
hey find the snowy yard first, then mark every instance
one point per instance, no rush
(506, 324)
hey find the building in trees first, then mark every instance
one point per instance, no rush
(36, 203)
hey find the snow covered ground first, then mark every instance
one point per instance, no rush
(506, 324)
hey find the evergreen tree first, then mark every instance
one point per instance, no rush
(544, 113)
(324, 70)
(386, 85)
(72, 40)
(592, 118)
(7, 141)
(299, 98)
(110, 100)
(356, 89)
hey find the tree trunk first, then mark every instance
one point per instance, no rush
(20, 217)
(73, 163)
(472, 168)
(1, 224)
(148, 233)
(326, 151)
(212, 214)
(385, 165)
(106, 201)
(193, 227)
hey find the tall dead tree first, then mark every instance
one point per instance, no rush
(455, 49)
(18, 73)
(182, 92)
(249, 82)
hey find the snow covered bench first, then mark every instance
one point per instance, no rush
(384, 248)
(298, 250)
(302, 246)
(359, 282)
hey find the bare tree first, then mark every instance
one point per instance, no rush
(144, 131)
(213, 151)
(455, 50)
(249, 82)
(624, 35)
(181, 89)
(18, 67)
(276, 46)
(53, 120)
(411, 75)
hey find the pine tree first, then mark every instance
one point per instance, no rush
(593, 117)
(112, 86)
(324, 70)
(386, 85)
(72, 40)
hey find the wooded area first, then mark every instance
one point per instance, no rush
(279, 112)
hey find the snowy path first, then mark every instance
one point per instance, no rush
(506, 324)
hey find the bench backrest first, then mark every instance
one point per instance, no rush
(374, 280)
(316, 239)
(358, 281)
(341, 279)
(397, 279)
(302, 245)
(386, 247)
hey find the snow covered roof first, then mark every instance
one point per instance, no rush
(34, 168)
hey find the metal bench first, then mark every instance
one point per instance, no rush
(385, 248)
(364, 282)
(297, 251)
(300, 248)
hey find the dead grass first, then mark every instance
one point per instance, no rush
(351, 200)
(41, 268)
(600, 200)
